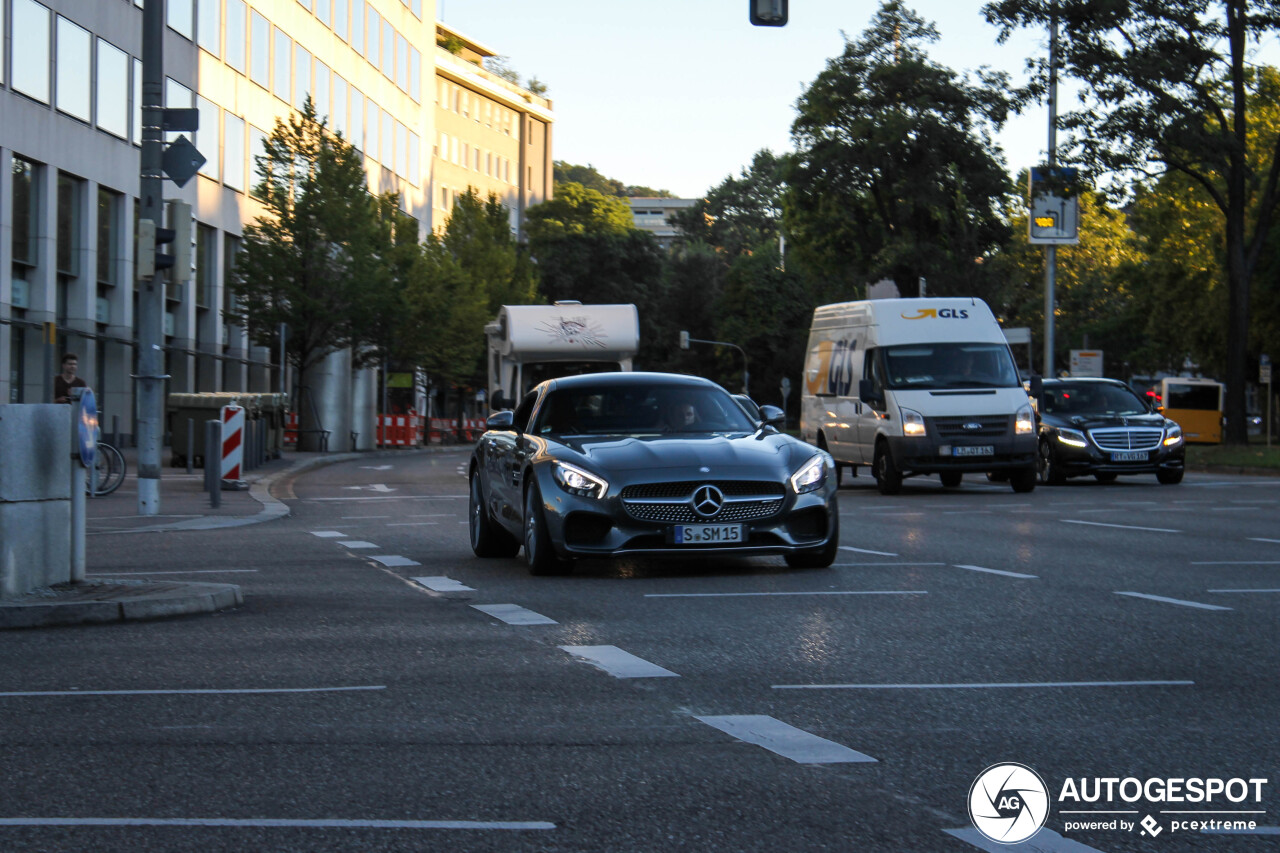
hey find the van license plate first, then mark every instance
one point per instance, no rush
(1129, 456)
(702, 534)
(974, 450)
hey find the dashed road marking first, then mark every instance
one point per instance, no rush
(357, 544)
(995, 571)
(328, 534)
(786, 740)
(1180, 602)
(394, 560)
(1120, 526)
(442, 584)
(514, 614)
(865, 551)
(618, 663)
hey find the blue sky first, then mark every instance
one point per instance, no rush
(679, 94)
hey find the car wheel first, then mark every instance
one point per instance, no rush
(1105, 477)
(487, 538)
(823, 558)
(951, 479)
(539, 554)
(888, 477)
(1023, 480)
(1169, 476)
(1050, 470)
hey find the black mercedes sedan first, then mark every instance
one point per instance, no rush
(608, 464)
(1101, 427)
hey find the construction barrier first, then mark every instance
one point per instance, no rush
(400, 430)
(446, 429)
(291, 429)
(232, 442)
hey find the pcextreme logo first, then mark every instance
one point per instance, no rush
(935, 313)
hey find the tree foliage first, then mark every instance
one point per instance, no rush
(576, 210)
(741, 212)
(589, 176)
(1167, 92)
(895, 173)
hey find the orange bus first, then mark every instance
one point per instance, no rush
(1195, 405)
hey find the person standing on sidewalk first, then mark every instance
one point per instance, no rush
(67, 379)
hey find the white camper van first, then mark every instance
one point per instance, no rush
(530, 343)
(917, 386)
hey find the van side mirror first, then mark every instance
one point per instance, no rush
(868, 394)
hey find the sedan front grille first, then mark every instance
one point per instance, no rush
(672, 503)
(1127, 438)
(965, 427)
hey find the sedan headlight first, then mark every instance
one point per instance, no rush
(812, 474)
(1172, 434)
(1024, 422)
(1073, 437)
(912, 423)
(578, 482)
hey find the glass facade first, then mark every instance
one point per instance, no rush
(112, 86)
(73, 69)
(31, 52)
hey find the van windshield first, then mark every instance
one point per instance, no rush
(949, 365)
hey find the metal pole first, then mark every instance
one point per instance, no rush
(151, 291)
(1051, 251)
(191, 442)
(77, 493)
(213, 461)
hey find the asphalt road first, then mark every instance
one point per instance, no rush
(362, 700)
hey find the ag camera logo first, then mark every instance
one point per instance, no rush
(1008, 803)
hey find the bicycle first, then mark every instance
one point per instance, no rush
(110, 470)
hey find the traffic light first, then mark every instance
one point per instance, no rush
(768, 13)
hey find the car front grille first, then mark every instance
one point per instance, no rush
(966, 427)
(672, 503)
(1127, 438)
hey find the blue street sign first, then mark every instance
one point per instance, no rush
(87, 428)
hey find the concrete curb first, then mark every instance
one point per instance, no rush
(103, 600)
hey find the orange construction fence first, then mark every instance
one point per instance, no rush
(442, 428)
(392, 430)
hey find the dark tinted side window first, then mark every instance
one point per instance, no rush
(524, 410)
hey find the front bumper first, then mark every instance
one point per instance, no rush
(932, 454)
(1077, 461)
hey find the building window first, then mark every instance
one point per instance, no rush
(179, 17)
(371, 129)
(206, 246)
(301, 75)
(233, 162)
(70, 193)
(31, 52)
(375, 31)
(73, 77)
(320, 94)
(357, 119)
(209, 137)
(323, 12)
(236, 48)
(388, 50)
(283, 49)
(402, 63)
(113, 89)
(108, 235)
(388, 157)
(415, 74)
(26, 211)
(260, 50)
(135, 128)
(402, 150)
(340, 13)
(357, 26)
(209, 24)
(340, 107)
(257, 159)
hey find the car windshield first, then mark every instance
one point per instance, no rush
(949, 365)
(630, 409)
(1092, 398)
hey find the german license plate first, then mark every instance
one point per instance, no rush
(1129, 456)
(973, 450)
(703, 534)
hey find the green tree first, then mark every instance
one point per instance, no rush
(1166, 91)
(318, 259)
(589, 176)
(578, 210)
(896, 173)
(740, 213)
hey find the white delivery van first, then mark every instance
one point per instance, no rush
(917, 386)
(530, 343)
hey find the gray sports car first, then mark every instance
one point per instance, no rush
(606, 464)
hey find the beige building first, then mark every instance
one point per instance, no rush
(490, 134)
(652, 215)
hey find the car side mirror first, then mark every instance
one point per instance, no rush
(868, 394)
(1036, 390)
(501, 420)
(773, 416)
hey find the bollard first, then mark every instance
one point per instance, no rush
(191, 443)
(213, 461)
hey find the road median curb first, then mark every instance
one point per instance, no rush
(105, 600)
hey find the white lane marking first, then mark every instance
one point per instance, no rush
(443, 584)
(1260, 539)
(374, 487)
(755, 594)
(982, 686)
(390, 498)
(322, 823)
(785, 740)
(995, 571)
(411, 523)
(865, 551)
(1045, 840)
(968, 512)
(841, 565)
(514, 614)
(1232, 508)
(1177, 601)
(394, 560)
(1120, 526)
(376, 467)
(190, 572)
(352, 517)
(192, 692)
(1242, 590)
(328, 534)
(1236, 563)
(357, 543)
(618, 663)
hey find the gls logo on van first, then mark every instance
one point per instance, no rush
(832, 371)
(944, 313)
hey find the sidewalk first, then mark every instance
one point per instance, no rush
(184, 505)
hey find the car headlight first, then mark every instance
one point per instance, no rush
(1172, 434)
(912, 423)
(1024, 422)
(812, 474)
(1073, 437)
(578, 482)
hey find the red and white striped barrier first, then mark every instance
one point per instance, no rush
(232, 442)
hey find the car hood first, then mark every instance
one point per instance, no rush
(1098, 421)
(722, 454)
